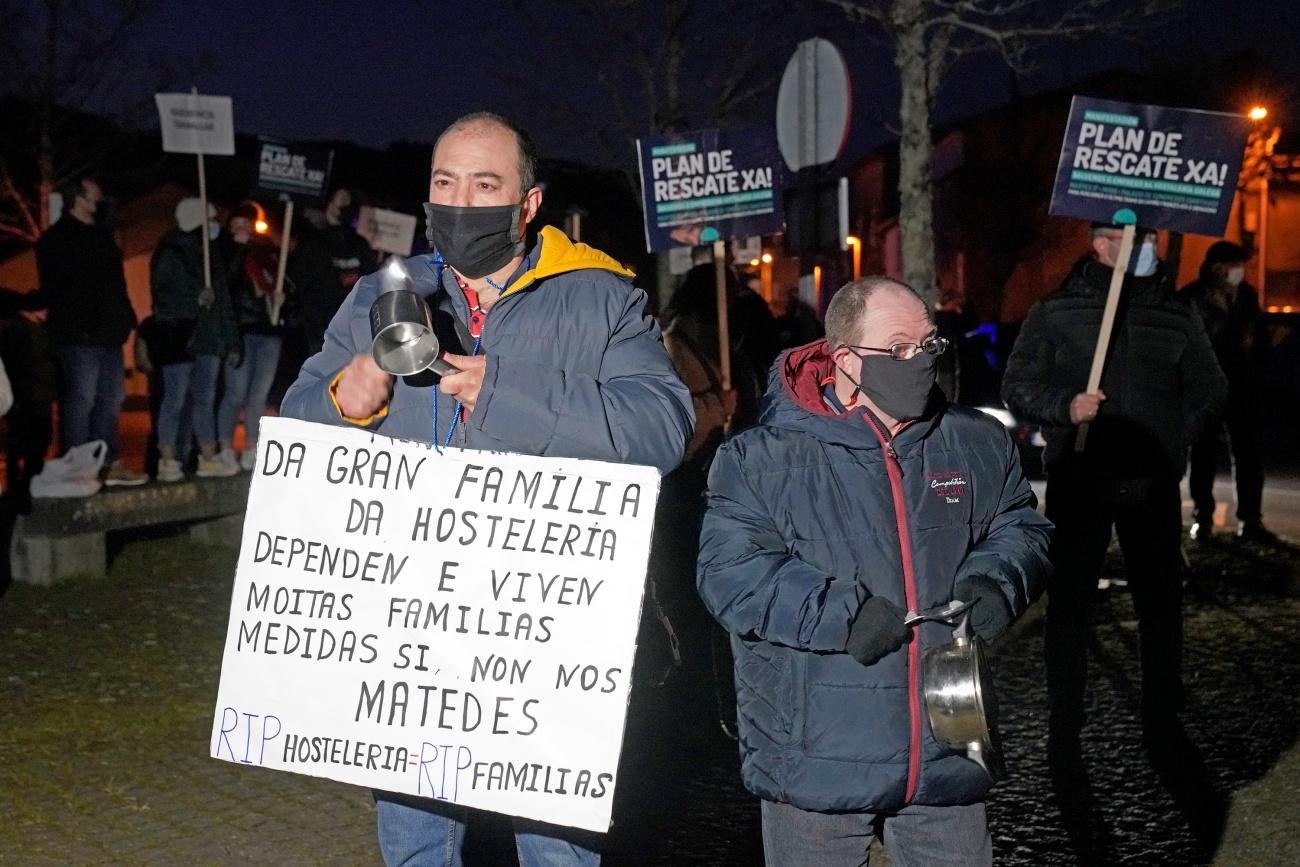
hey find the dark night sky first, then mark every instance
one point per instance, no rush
(385, 70)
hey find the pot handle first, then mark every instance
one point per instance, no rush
(950, 614)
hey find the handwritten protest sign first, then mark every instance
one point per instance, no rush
(196, 124)
(457, 626)
(1165, 168)
(387, 231)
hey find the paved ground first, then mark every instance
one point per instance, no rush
(107, 689)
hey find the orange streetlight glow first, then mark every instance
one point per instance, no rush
(753, 263)
(1259, 112)
(261, 227)
(767, 258)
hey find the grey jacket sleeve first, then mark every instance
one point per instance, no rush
(634, 410)
(309, 397)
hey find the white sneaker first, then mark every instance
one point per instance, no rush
(248, 458)
(215, 468)
(229, 460)
(169, 470)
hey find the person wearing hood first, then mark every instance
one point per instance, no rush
(1160, 389)
(194, 331)
(1229, 309)
(90, 318)
(250, 371)
(556, 357)
(860, 496)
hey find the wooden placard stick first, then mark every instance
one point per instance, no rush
(724, 333)
(276, 301)
(1107, 323)
(203, 199)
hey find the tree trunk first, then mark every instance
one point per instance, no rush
(916, 210)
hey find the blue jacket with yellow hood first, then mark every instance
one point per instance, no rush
(575, 368)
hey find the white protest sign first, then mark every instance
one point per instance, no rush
(196, 124)
(457, 626)
(387, 231)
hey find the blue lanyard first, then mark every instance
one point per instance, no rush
(460, 408)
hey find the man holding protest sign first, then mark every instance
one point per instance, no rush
(1160, 389)
(556, 357)
(861, 497)
(1122, 377)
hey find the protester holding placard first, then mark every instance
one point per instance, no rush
(862, 495)
(1160, 389)
(1229, 308)
(90, 318)
(249, 371)
(194, 331)
(556, 357)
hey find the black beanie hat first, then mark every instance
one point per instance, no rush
(1222, 252)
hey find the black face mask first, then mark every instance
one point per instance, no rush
(900, 388)
(474, 241)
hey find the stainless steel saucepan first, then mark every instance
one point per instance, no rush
(959, 695)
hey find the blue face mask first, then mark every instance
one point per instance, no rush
(1144, 264)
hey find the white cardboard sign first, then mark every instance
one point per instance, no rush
(196, 124)
(387, 231)
(459, 626)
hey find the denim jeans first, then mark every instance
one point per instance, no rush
(92, 389)
(198, 379)
(247, 387)
(425, 833)
(915, 836)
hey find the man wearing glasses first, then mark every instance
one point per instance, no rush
(860, 496)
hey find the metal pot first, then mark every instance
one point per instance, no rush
(401, 327)
(958, 690)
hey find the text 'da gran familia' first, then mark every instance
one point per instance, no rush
(455, 618)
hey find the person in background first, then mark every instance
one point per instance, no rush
(28, 356)
(797, 323)
(90, 318)
(326, 264)
(1160, 388)
(194, 330)
(1229, 309)
(692, 315)
(251, 370)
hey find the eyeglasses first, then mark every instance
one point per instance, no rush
(906, 351)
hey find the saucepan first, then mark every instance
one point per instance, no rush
(401, 327)
(959, 695)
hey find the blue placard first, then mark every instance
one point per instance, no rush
(709, 185)
(1168, 168)
(298, 171)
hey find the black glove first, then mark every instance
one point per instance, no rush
(877, 631)
(991, 615)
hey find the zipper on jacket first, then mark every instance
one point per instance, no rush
(894, 468)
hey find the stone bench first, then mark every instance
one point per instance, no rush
(69, 536)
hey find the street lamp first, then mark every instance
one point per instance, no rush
(856, 243)
(1260, 147)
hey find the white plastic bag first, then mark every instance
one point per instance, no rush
(75, 474)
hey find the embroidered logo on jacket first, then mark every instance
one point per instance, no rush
(948, 485)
